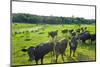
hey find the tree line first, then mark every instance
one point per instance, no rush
(37, 19)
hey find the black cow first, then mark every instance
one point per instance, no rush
(73, 44)
(84, 36)
(64, 31)
(38, 52)
(53, 34)
(60, 48)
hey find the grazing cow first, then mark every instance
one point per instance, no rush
(60, 48)
(73, 44)
(64, 31)
(84, 36)
(93, 37)
(38, 52)
(53, 34)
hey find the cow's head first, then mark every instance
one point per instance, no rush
(31, 53)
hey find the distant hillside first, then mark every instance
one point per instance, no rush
(35, 19)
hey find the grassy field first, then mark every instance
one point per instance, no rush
(28, 37)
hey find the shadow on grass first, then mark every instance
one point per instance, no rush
(82, 57)
(78, 58)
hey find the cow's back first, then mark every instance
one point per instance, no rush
(61, 45)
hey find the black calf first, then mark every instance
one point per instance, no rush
(84, 36)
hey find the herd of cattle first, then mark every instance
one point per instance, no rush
(57, 48)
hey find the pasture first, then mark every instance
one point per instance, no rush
(25, 35)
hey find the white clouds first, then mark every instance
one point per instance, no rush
(53, 9)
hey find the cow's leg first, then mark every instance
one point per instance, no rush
(81, 42)
(56, 58)
(70, 52)
(74, 52)
(53, 52)
(51, 56)
(90, 41)
(36, 61)
(62, 58)
(84, 41)
(42, 60)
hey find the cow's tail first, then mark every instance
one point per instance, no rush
(24, 50)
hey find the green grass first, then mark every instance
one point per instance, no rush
(83, 53)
